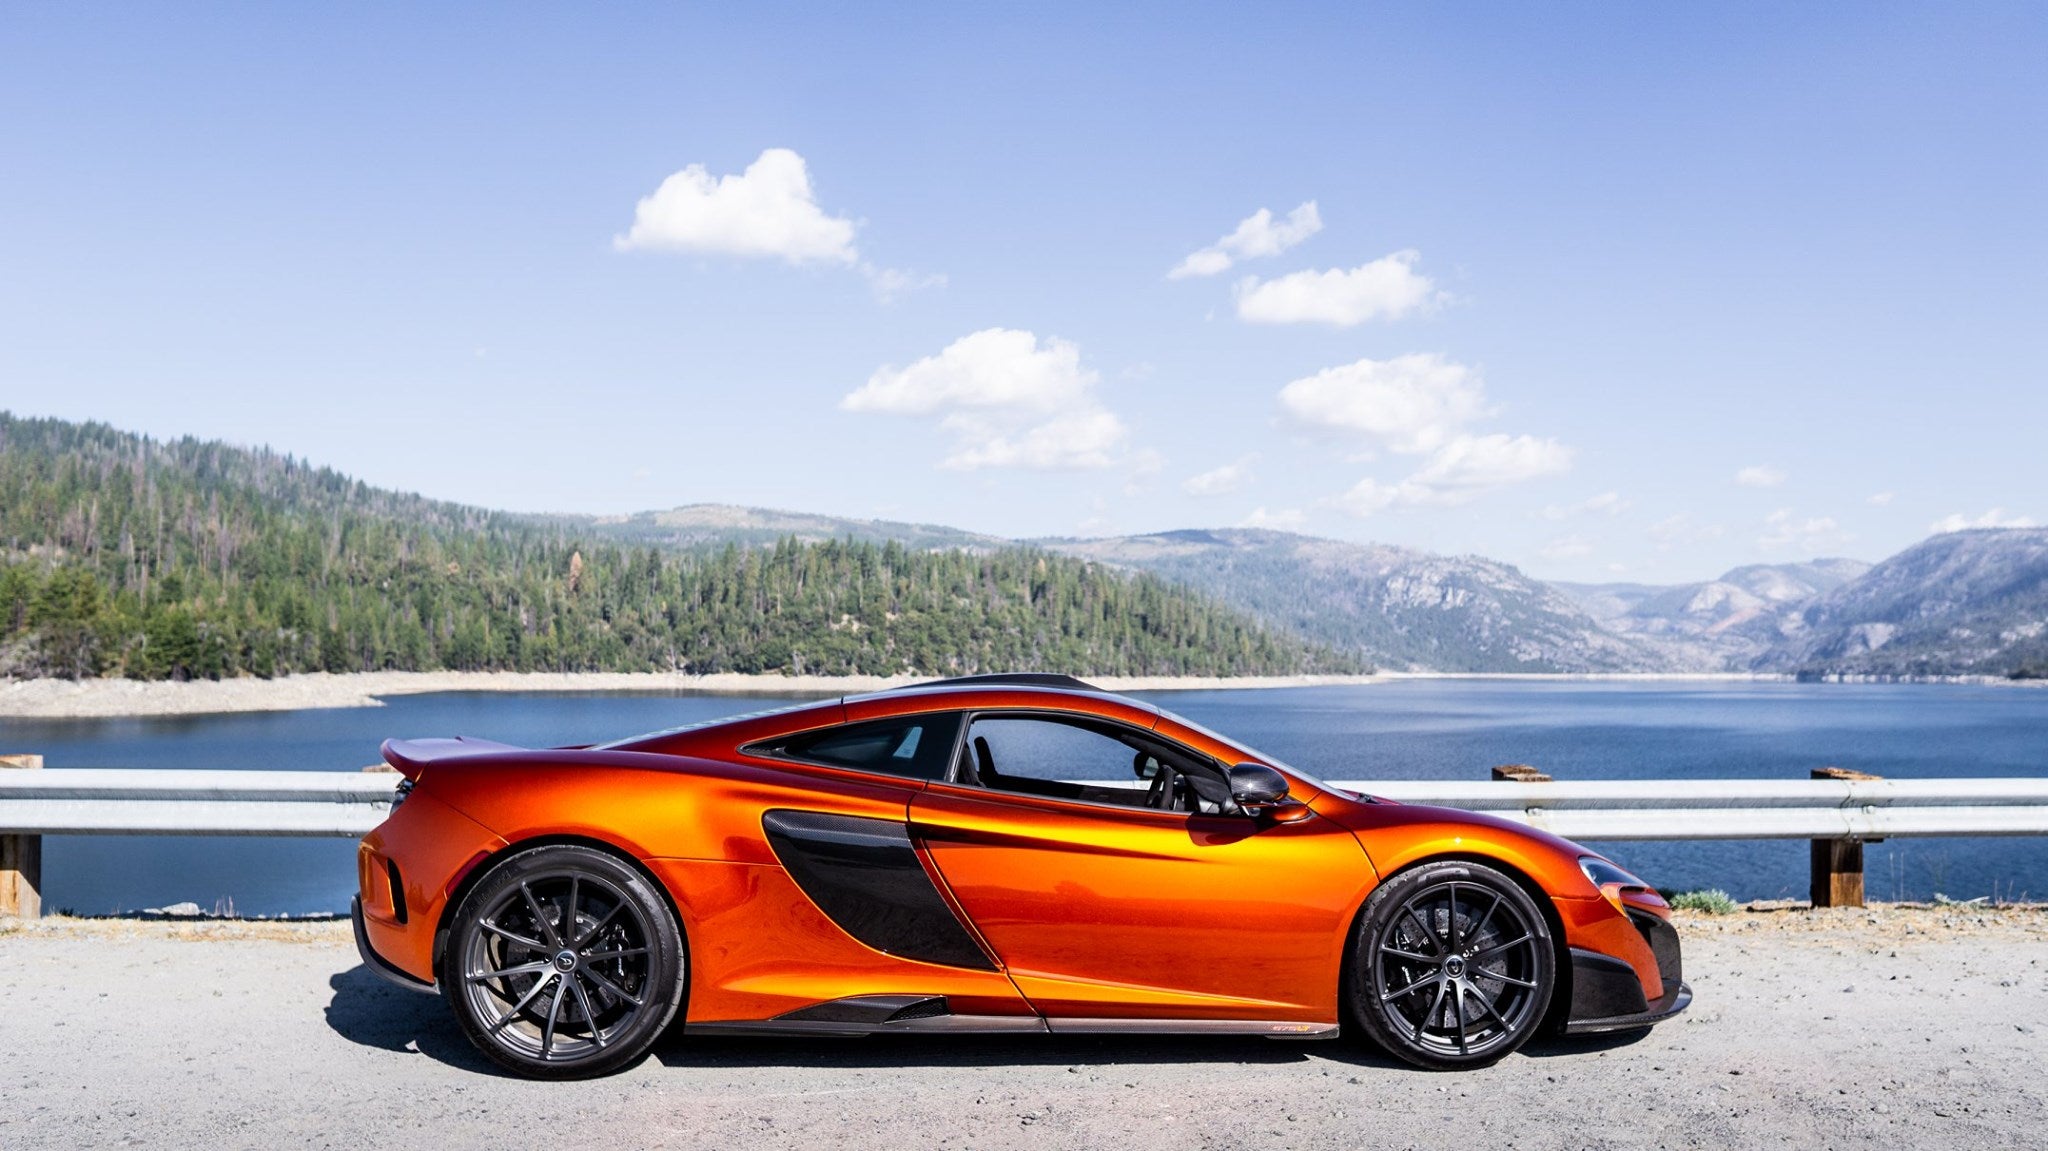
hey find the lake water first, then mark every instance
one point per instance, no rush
(1413, 729)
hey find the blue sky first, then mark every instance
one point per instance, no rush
(1621, 292)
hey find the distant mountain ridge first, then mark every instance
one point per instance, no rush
(1402, 609)
(1728, 623)
(1970, 602)
(1965, 603)
(714, 525)
(120, 554)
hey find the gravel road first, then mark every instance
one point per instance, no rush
(1896, 1027)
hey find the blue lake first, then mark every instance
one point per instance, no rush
(1414, 729)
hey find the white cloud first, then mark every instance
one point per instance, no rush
(1006, 400)
(1461, 471)
(1605, 504)
(1414, 403)
(1220, 481)
(1995, 518)
(1881, 499)
(1567, 547)
(1784, 529)
(1760, 476)
(767, 210)
(1283, 519)
(889, 283)
(1256, 235)
(1388, 288)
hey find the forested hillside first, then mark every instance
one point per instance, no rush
(121, 555)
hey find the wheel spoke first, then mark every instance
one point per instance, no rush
(569, 911)
(547, 1033)
(522, 969)
(1479, 932)
(540, 917)
(511, 937)
(1528, 983)
(1428, 932)
(1429, 1015)
(1459, 1006)
(1394, 951)
(599, 925)
(1487, 1004)
(1390, 996)
(614, 988)
(519, 1006)
(1502, 949)
(583, 998)
(1452, 919)
(621, 953)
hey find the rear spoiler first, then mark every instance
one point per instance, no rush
(411, 756)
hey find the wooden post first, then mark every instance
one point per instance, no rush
(1837, 876)
(1519, 773)
(21, 859)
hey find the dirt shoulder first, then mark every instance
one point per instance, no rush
(1892, 1027)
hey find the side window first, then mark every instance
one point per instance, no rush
(1081, 761)
(917, 746)
(1045, 750)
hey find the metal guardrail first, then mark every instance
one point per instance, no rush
(1837, 814)
(1862, 809)
(121, 801)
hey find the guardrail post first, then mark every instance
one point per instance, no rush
(1838, 863)
(21, 860)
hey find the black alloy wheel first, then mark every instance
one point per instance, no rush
(563, 963)
(1453, 966)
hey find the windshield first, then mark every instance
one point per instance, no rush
(1262, 757)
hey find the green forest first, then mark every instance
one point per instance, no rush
(122, 555)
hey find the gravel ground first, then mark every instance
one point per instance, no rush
(1895, 1027)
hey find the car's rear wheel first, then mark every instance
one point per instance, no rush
(563, 962)
(1453, 966)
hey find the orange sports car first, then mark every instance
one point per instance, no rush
(1015, 853)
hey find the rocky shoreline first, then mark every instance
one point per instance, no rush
(118, 698)
(130, 698)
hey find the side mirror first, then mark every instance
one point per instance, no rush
(1257, 788)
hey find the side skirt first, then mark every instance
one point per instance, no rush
(885, 1014)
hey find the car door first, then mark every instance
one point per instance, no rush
(1105, 913)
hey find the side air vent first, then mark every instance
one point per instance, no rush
(865, 876)
(397, 891)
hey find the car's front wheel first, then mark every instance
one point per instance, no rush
(563, 962)
(1453, 966)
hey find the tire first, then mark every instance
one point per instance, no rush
(548, 1005)
(1453, 966)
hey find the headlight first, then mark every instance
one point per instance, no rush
(1603, 874)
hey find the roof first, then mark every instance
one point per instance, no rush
(1009, 679)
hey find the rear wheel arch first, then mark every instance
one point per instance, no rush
(490, 863)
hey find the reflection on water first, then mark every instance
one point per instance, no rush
(1420, 729)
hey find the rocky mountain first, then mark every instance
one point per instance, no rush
(1401, 609)
(1963, 603)
(1721, 624)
